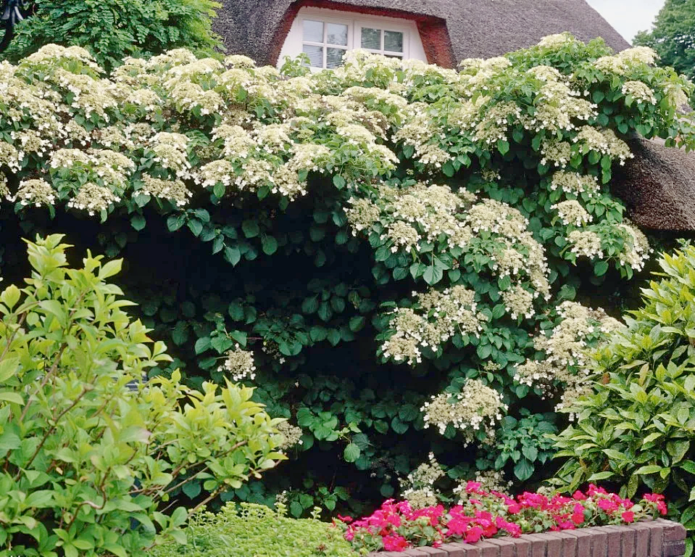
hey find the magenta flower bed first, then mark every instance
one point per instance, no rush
(396, 526)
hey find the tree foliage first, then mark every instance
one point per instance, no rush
(636, 429)
(673, 36)
(114, 29)
(394, 253)
(89, 451)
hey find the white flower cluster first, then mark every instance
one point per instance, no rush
(418, 487)
(575, 184)
(239, 364)
(636, 251)
(292, 435)
(170, 151)
(639, 91)
(171, 190)
(93, 199)
(36, 192)
(572, 213)
(589, 242)
(518, 302)
(476, 407)
(624, 61)
(564, 364)
(518, 252)
(586, 243)
(436, 317)
(604, 142)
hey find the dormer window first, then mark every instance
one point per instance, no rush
(325, 36)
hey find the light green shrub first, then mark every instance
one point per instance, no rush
(257, 531)
(88, 451)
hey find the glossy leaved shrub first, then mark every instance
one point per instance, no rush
(90, 450)
(636, 428)
(392, 253)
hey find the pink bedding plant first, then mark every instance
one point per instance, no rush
(396, 526)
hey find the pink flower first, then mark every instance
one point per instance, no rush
(659, 500)
(579, 496)
(345, 519)
(607, 506)
(514, 508)
(394, 542)
(628, 516)
(474, 534)
(473, 487)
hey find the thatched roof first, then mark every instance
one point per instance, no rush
(658, 186)
(477, 28)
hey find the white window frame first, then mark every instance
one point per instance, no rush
(293, 46)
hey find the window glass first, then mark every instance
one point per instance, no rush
(334, 57)
(371, 38)
(337, 34)
(313, 31)
(393, 41)
(315, 54)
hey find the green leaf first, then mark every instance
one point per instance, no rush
(195, 226)
(600, 268)
(531, 453)
(138, 222)
(270, 245)
(351, 452)
(174, 222)
(357, 323)
(433, 275)
(250, 228)
(232, 255)
(503, 146)
(523, 470)
(652, 469)
(202, 344)
(339, 182)
(8, 368)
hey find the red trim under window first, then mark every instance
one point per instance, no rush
(433, 31)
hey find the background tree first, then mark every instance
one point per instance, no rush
(673, 36)
(114, 29)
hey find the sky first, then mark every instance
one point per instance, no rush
(628, 16)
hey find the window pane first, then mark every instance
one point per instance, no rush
(334, 57)
(313, 31)
(371, 38)
(399, 56)
(315, 54)
(337, 34)
(393, 41)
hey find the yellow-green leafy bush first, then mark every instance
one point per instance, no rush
(636, 427)
(379, 248)
(88, 450)
(257, 531)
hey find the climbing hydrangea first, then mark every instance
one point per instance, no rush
(563, 366)
(474, 411)
(456, 200)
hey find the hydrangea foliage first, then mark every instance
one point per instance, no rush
(378, 247)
